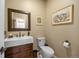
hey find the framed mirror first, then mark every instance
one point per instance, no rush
(18, 20)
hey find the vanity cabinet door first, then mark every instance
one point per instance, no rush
(22, 51)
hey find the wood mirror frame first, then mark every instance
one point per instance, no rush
(10, 20)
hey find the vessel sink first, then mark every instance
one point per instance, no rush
(15, 41)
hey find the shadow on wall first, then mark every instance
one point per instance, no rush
(69, 52)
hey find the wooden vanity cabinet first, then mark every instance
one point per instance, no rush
(21, 51)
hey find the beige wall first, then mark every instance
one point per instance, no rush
(56, 35)
(36, 7)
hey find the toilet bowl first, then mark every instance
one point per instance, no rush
(45, 51)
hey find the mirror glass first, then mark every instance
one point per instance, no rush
(19, 20)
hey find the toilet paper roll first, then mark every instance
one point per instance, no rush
(66, 44)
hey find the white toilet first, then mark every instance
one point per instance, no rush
(45, 51)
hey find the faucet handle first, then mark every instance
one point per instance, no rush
(23, 34)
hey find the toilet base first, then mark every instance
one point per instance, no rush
(39, 55)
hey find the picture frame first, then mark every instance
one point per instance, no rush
(39, 20)
(63, 16)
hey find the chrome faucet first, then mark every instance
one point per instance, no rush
(19, 34)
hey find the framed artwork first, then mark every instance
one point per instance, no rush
(39, 20)
(63, 16)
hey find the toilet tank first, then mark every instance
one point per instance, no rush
(41, 41)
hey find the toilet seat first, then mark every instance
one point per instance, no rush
(47, 49)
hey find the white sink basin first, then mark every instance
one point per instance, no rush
(15, 41)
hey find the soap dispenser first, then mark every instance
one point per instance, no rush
(28, 33)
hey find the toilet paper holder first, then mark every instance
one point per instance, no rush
(66, 44)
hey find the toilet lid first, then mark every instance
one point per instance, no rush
(47, 49)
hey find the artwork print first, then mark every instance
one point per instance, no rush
(62, 16)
